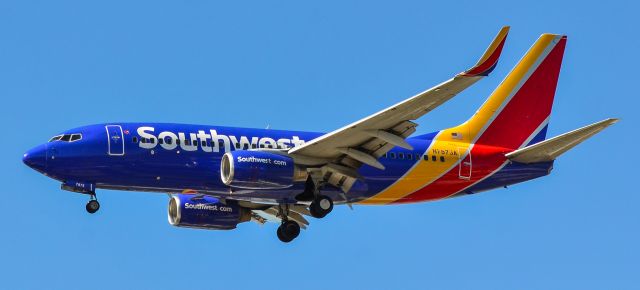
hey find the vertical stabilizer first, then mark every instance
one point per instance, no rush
(517, 112)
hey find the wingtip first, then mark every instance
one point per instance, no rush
(555, 35)
(606, 122)
(489, 59)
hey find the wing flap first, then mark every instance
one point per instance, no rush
(271, 214)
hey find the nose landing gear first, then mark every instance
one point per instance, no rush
(93, 205)
(85, 188)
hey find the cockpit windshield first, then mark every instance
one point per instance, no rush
(55, 138)
(66, 137)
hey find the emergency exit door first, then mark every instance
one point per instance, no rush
(465, 167)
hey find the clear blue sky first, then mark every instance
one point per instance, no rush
(315, 67)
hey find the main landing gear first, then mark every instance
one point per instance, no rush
(321, 206)
(288, 230)
(93, 205)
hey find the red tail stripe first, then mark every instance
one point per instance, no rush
(486, 67)
(529, 107)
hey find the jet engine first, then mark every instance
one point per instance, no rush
(205, 212)
(259, 170)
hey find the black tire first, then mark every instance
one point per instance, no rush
(288, 231)
(321, 206)
(281, 237)
(92, 206)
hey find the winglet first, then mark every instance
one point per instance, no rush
(489, 59)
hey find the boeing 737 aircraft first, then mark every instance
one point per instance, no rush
(218, 177)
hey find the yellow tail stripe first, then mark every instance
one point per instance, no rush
(426, 172)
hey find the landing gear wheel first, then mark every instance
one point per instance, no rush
(92, 206)
(288, 231)
(321, 206)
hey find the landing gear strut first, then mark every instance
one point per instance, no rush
(93, 205)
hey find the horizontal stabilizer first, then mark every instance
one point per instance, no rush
(550, 149)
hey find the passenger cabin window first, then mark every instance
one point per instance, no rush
(392, 155)
(433, 158)
(410, 156)
(134, 139)
(441, 158)
(400, 155)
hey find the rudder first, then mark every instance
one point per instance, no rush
(517, 112)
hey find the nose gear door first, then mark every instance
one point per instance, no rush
(115, 140)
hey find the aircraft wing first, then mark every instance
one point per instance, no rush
(364, 141)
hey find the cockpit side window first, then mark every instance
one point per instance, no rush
(66, 137)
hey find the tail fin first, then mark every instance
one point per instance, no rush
(517, 112)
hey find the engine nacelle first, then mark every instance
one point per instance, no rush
(205, 212)
(258, 170)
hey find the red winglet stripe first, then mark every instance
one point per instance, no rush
(488, 65)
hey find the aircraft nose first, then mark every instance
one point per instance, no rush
(36, 158)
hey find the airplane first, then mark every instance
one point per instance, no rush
(217, 177)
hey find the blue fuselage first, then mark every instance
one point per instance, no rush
(161, 157)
